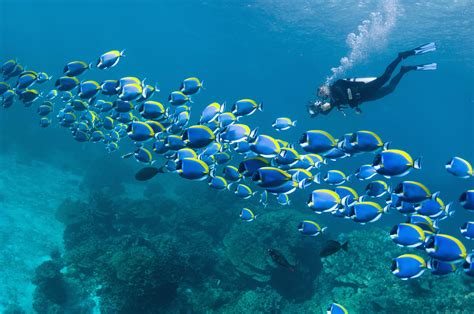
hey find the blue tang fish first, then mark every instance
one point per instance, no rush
(413, 192)
(211, 112)
(440, 268)
(75, 68)
(247, 215)
(459, 167)
(141, 131)
(336, 308)
(377, 188)
(332, 177)
(231, 173)
(395, 163)
(110, 59)
(283, 124)
(445, 248)
(270, 177)
(191, 85)
(408, 266)
(248, 166)
(198, 136)
(265, 146)
(467, 230)
(317, 141)
(177, 98)
(310, 228)
(245, 107)
(467, 200)
(323, 200)
(192, 169)
(367, 141)
(406, 234)
(218, 183)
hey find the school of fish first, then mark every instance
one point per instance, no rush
(231, 156)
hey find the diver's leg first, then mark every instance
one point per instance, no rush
(381, 80)
(385, 90)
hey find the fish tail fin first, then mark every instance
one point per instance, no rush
(253, 134)
(344, 246)
(302, 184)
(317, 178)
(386, 208)
(260, 106)
(122, 53)
(450, 209)
(435, 195)
(294, 123)
(222, 107)
(386, 146)
(417, 163)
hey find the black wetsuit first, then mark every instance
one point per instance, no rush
(346, 92)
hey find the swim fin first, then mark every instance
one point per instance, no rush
(419, 50)
(425, 48)
(427, 67)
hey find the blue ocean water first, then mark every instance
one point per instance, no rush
(276, 52)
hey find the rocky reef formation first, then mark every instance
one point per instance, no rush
(186, 251)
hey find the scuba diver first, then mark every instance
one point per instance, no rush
(354, 91)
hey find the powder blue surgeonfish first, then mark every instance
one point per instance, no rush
(445, 248)
(336, 308)
(235, 133)
(366, 141)
(88, 89)
(467, 230)
(218, 183)
(459, 167)
(191, 86)
(211, 112)
(408, 235)
(324, 200)
(270, 177)
(440, 268)
(192, 169)
(75, 68)
(467, 200)
(110, 59)
(364, 172)
(283, 124)
(317, 141)
(377, 188)
(245, 107)
(408, 266)
(310, 228)
(244, 191)
(283, 199)
(178, 98)
(141, 131)
(131, 92)
(248, 166)
(231, 173)
(265, 146)
(413, 192)
(363, 212)
(395, 163)
(435, 208)
(66, 83)
(198, 136)
(332, 177)
(247, 215)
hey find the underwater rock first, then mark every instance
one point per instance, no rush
(260, 300)
(50, 293)
(246, 246)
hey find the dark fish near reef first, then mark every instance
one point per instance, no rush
(147, 173)
(331, 247)
(278, 258)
